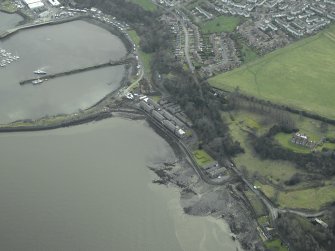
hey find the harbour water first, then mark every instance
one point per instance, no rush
(55, 49)
(88, 188)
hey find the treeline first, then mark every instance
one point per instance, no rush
(267, 103)
(152, 33)
(305, 235)
(317, 162)
(271, 113)
(203, 109)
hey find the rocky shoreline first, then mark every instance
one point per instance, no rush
(198, 198)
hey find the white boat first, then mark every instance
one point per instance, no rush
(37, 81)
(39, 71)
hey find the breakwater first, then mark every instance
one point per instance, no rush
(75, 71)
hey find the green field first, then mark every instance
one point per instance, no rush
(220, 24)
(256, 203)
(300, 75)
(268, 190)
(202, 158)
(268, 174)
(248, 54)
(146, 4)
(275, 172)
(275, 245)
(313, 198)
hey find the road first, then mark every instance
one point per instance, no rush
(273, 211)
(186, 48)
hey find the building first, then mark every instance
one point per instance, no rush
(302, 140)
(54, 2)
(34, 4)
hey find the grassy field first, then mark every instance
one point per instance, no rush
(256, 203)
(145, 57)
(300, 75)
(146, 4)
(248, 54)
(268, 190)
(275, 245)
(274, 171)
(313, 198)
(267, 174)
(220, 24)
(202, 158)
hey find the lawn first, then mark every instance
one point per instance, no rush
(275, 245)
(313, 198)
(220, 24)
(146, 4)
(300, 75)
(202, 158)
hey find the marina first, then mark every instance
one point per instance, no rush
(7, 57)
(80, 45)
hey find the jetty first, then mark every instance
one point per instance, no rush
(75, 71)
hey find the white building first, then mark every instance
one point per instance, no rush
(34, 4)
(54, 2)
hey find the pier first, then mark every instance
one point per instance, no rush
(75, 71)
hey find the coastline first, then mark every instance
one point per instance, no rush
(197, 197)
